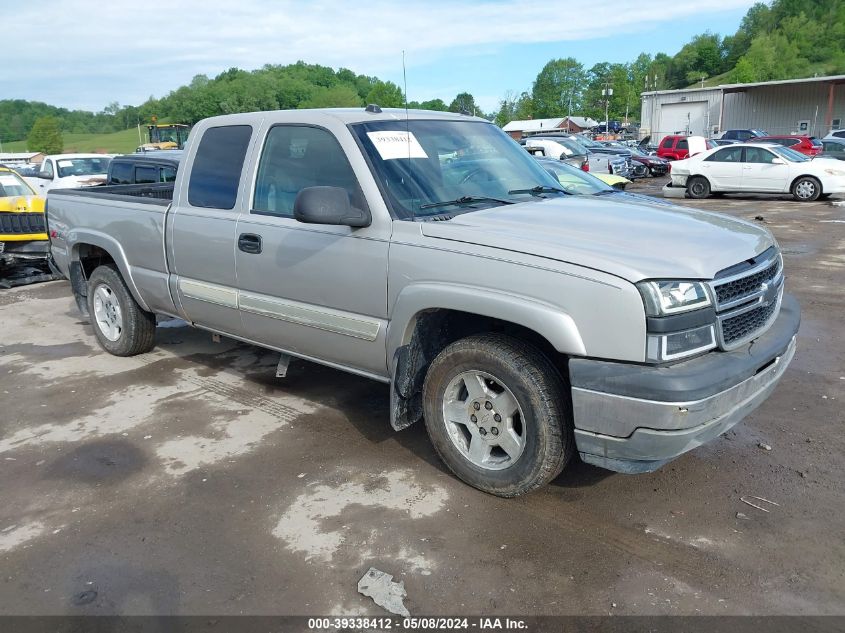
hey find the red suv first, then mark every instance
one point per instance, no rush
(676, 147)
(804, 144)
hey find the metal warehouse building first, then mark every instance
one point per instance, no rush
(811, 106)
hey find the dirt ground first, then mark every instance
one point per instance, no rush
(190, 480)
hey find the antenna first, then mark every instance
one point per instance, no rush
(407, 126)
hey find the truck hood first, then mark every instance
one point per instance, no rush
(634, 240)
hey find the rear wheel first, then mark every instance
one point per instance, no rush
(497, 414)
(806, 189)
(698, 187)
(122, 328)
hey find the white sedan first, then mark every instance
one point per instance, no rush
(759, 168)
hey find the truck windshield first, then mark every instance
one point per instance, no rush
(431, 167)
(82, 166)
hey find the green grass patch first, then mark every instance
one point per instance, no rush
(123, 142)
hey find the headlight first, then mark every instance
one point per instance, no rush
(670, 297)
(665, 347)
(677, 325)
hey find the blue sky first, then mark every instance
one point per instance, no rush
(90, 53)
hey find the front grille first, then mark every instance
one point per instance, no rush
(744, 325)
(747, 298)
(746, 286)
(12, 223)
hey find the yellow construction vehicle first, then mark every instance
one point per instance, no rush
(165, 136)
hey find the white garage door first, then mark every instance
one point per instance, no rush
(678, 118)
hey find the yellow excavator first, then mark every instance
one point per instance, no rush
(165, 136)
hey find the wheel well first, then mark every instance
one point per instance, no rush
(821, 187)
(434, 330)
(88, 258)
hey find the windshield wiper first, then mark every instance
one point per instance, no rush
(604, 192)
(539, 190)
(464, 200)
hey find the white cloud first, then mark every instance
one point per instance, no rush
(86, 45)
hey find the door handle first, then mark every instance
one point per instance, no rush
(249, 243)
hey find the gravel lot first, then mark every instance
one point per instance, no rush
(191, 481)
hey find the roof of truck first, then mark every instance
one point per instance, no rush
(160, 156)
(351, 115)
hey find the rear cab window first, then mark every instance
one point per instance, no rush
(121, 173)
(216, 172)
(145, 174)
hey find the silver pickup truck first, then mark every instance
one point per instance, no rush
(431, 252)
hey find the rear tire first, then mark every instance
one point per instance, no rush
(122, 328)
(698, 187)
(521, 437)
(806, 189)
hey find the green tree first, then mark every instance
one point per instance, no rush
(386, 94)
(464, 102)
(337, 97)
(45, 136)
(434, 104)
(559, 83)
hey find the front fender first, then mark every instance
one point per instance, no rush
(557, 327)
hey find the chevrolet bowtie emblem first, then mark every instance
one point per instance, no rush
(769, 295)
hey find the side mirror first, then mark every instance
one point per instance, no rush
(44, 175)
(778, 161)
(328, 205)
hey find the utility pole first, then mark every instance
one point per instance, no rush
(607, 93)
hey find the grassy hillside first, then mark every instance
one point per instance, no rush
(123, 142)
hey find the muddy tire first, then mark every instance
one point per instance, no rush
(498, 414)
(122, 328)
(698, 187)
(806, 189)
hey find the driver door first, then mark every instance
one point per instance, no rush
(313, 290)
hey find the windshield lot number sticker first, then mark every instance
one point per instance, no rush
(399, 144)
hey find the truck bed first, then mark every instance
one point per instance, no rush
(154, 193)
(127, 221)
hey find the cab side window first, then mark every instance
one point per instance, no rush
(727, 155)
(295, 157)
(683, 144)
(667, 143)
(758, 155)
(48, 168)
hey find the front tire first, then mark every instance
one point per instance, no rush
(497, 414)
(122, 328)
(698, 187)
(806, 189)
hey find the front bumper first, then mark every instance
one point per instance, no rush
(19, 250)
(636, 418)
